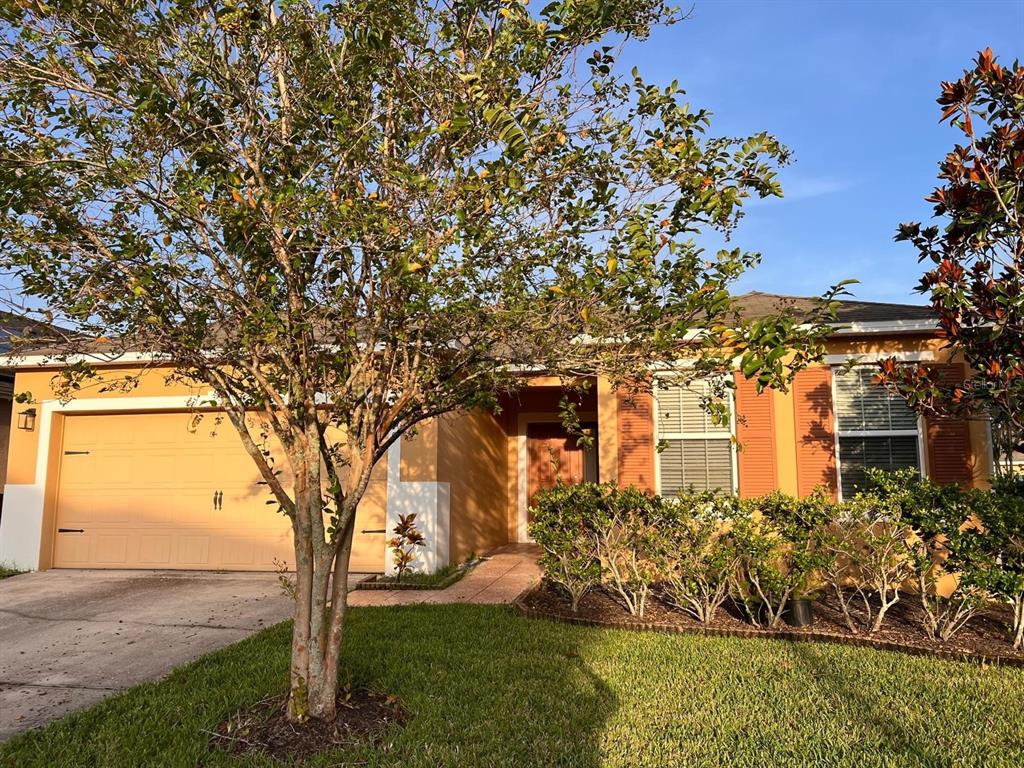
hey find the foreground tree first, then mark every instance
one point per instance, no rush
(344, 219)
(975, 279)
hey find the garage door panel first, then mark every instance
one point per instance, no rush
(242, 501)
(72, 550)
(153, 469)
(155, 549)
(371, 517)
(200, 467)
(193, 551)
(110, 549)
(142, 488)
(137, 508)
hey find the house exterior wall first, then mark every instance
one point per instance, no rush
(27, 527)
(472, 460)
(464, 475)
(786, 440)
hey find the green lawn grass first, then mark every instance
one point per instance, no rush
(489, 688)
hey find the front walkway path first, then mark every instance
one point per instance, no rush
(504, 575)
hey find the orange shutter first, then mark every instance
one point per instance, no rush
(755, 431)
(636, 441)
(949, 440)
(815, 430)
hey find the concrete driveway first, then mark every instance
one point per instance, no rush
(70, 638)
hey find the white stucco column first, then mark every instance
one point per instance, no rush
(431, 502)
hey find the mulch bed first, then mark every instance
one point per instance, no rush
(985, 639)
(388, 582)
(363, 716)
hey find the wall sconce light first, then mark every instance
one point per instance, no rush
(27, 419)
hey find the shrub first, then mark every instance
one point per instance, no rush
(1006, 484)
(1001, 514)
(404, 543)
(947, 549)
(630, 544)
(869, 554)
(564, 521)
(777, 553)
(699, 559)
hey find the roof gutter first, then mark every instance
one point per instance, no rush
(885, 327)
(52, 361)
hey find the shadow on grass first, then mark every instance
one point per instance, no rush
(483, 691)
(894, 720)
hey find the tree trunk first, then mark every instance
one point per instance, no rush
(1018, 622)
(324, 698)
(298, 698)
(321, 602)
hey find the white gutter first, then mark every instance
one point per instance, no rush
(886, 326)
(51, 361)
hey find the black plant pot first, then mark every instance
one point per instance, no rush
(799, 613)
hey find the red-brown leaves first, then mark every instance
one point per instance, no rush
(986, 60)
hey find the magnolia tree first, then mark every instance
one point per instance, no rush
(975, 276)
(344, 219)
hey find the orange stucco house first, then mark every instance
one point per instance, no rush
(119, 480)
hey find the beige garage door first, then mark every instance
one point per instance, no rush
(146, 491)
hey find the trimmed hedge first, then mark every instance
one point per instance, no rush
(960, 550)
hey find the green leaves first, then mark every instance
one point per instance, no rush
(393, 210)
(975, 260)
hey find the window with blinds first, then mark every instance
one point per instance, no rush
(697, 452)
(873, 428)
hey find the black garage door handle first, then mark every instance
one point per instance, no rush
(71, 530)
(378, 530)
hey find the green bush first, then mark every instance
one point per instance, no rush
(700, 558)
(1005, 484)
(869, 559)
(948, 545)
(565, 520)
(1001, 514)
(961, 550)
(630, 545)
(778, 556)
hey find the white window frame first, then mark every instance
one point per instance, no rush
(658, 436)
(836, 434)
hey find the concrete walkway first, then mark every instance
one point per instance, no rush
(501, 578)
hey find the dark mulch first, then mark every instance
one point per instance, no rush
(985, 638)
(363, 716)
(417, 581)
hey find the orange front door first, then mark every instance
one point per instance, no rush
(554, 455)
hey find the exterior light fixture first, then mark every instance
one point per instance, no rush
(27, 419)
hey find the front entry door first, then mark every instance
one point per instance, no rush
(554, 455)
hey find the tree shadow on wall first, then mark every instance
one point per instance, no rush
(816, 436)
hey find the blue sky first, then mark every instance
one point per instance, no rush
(850, 87)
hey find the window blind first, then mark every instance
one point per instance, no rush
(697, 452)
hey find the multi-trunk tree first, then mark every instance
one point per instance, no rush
(344, 219)
(975, 276)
